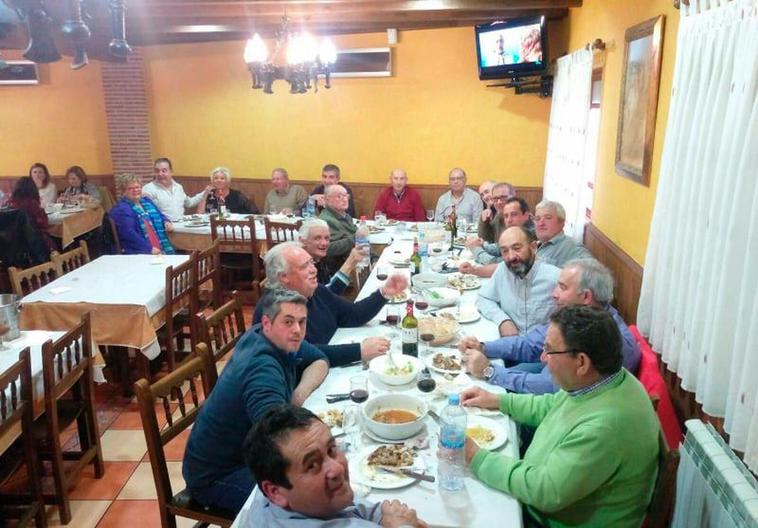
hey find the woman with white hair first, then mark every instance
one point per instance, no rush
(234, 200)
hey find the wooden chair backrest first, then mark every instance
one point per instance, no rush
(181, 284)
(15, 399)
(67, 362)
(31, 279)
(164, 392)
(114, 236)
(221, 330)
(238, 236)
(70, 260)
(107, 201)
(278, 232)
(208, 268)
(661, 506)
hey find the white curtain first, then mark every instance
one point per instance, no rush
(699, 299)
(565, 177)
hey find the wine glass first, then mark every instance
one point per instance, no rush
(380, 218)
(426, 332)
(382, 272)
(359, 389)
(392, 318)
(421, 303)
(429, 215)
(351, 424)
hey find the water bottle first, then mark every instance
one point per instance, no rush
(310, 208)
(422, 245)
(452, 461)
(361, 241)
(2, 199)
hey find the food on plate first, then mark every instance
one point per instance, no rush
(391, 455)
(375, 229)
(463, 281)
(480, 434)
(331, 417)
(444, 362)
(443, 327)
(399, 370)
(392, 221)
(400, 297)
(394, 416)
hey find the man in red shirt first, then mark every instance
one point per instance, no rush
(400, 202)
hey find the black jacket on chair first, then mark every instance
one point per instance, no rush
(21, 243)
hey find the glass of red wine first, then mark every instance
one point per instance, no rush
(359, 389)
(421, 304)
(382, 272)
(427, 337)
(392, 318)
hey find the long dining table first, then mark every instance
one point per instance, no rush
(71, 222)
(477, 505)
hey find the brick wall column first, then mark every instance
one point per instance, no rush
(126, 109)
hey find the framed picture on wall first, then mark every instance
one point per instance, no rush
(639, 99)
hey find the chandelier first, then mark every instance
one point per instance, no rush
(303, 62)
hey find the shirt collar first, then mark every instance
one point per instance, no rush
(599, 383)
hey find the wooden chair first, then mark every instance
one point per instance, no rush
(240, 253)
(208, 269)
(181, 298)
(661, 506)
(165, 391)
(31, 279)
(69, 398)
(221, 330)
(70, 260)
(278, 232)
(114, 236)
(16, 422)
(107, 201)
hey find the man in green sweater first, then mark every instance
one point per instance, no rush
(594, 457)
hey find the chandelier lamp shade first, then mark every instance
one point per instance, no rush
(297, 58)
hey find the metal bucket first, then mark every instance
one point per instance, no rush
(9, 308)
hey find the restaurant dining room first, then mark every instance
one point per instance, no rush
(397, 263)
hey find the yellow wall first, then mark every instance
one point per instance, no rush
(623, 209)
(431, 115)
(60, 122)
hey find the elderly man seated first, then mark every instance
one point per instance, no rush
(518, 296)
(283, 197)
(485, 193)
(468, 205)
(342, 229)
(288, 265)
(581, 282)
(304, 480)
(262, 373)
(399, 201)
(594, 457)
(330, 175)
(554, 246)
(314, 236)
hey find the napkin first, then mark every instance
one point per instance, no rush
(60, 289)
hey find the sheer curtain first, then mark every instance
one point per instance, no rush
(565, 177)
(699, 299)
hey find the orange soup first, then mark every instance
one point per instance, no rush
(394, 416)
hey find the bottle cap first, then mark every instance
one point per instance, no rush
(454, 399)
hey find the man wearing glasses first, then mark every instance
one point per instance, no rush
(581, 282)
(342, 229)
(468, 204)
(594, 457)
(330, 175)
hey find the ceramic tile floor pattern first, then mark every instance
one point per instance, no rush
(125, 496)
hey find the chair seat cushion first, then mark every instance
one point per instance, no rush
(184, 500)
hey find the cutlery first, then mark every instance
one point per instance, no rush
(404, 472)
(435, 416)
(334, 398)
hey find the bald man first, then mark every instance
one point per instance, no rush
(399, 201)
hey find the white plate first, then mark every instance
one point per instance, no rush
(335, 429)
(474, 282)
(472, 318)
(430, 362)
(381, 440)
(361, 472)
(398, 300)
(399, 260)
(501, 435)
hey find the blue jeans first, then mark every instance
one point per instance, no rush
(230, 492)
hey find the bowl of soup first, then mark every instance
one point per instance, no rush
(394, 416)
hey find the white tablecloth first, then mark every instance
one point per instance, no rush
(477, 505)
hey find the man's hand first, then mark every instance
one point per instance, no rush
(353, 258)
(478, 397)
(396, 514)
(395, 284)
(155, 251)
(474, 242)
(467, 267)
(319, 199)
(475, 362)
(372, 347)
(208, 188)
(472, 448)
(168, 226)
(469, 342)
(486, 215)
(507, 328)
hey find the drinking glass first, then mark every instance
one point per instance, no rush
(359, 389)
(380, 218)
(351, 424)
(393, 318)
(426, 332)
(382, 272)
(429, 215)
(4, 329)
(272, 210)
(421, 303)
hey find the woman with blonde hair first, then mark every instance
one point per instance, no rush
(221, 192)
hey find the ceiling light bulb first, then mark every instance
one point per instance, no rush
(328, 52)
(255, 50)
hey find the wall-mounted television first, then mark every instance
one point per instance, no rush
(513, 48)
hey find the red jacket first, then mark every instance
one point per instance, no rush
(408, 209)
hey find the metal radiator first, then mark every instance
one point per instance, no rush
(714, 489)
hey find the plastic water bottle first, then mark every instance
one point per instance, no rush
(451, 463)
(310, 208)
(361, 241)
(422, 245)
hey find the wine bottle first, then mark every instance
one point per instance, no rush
(415, 259)
(211, 203)
(410, 331)
(452, 221)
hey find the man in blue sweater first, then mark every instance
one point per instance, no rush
(288, 265)
(581, 281)
(262, 373)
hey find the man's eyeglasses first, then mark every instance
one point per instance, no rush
(500, 198)
(556, 352)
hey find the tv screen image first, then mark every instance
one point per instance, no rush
(511, 46)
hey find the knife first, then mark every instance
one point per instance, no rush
(435, 416)
(334, 398)
(405, 472)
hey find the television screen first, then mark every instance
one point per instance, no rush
(512, 48)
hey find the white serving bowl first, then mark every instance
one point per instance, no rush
(443, 297)
(380, 364)
(429, 280)
(404, 402)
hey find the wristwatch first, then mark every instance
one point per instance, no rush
(488, 372)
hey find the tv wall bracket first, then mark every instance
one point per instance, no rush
(542, 85)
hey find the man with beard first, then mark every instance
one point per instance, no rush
(518, 296)
(304, 480)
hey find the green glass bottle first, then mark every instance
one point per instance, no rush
(415, 259)
(410, 331)
(452, 221)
